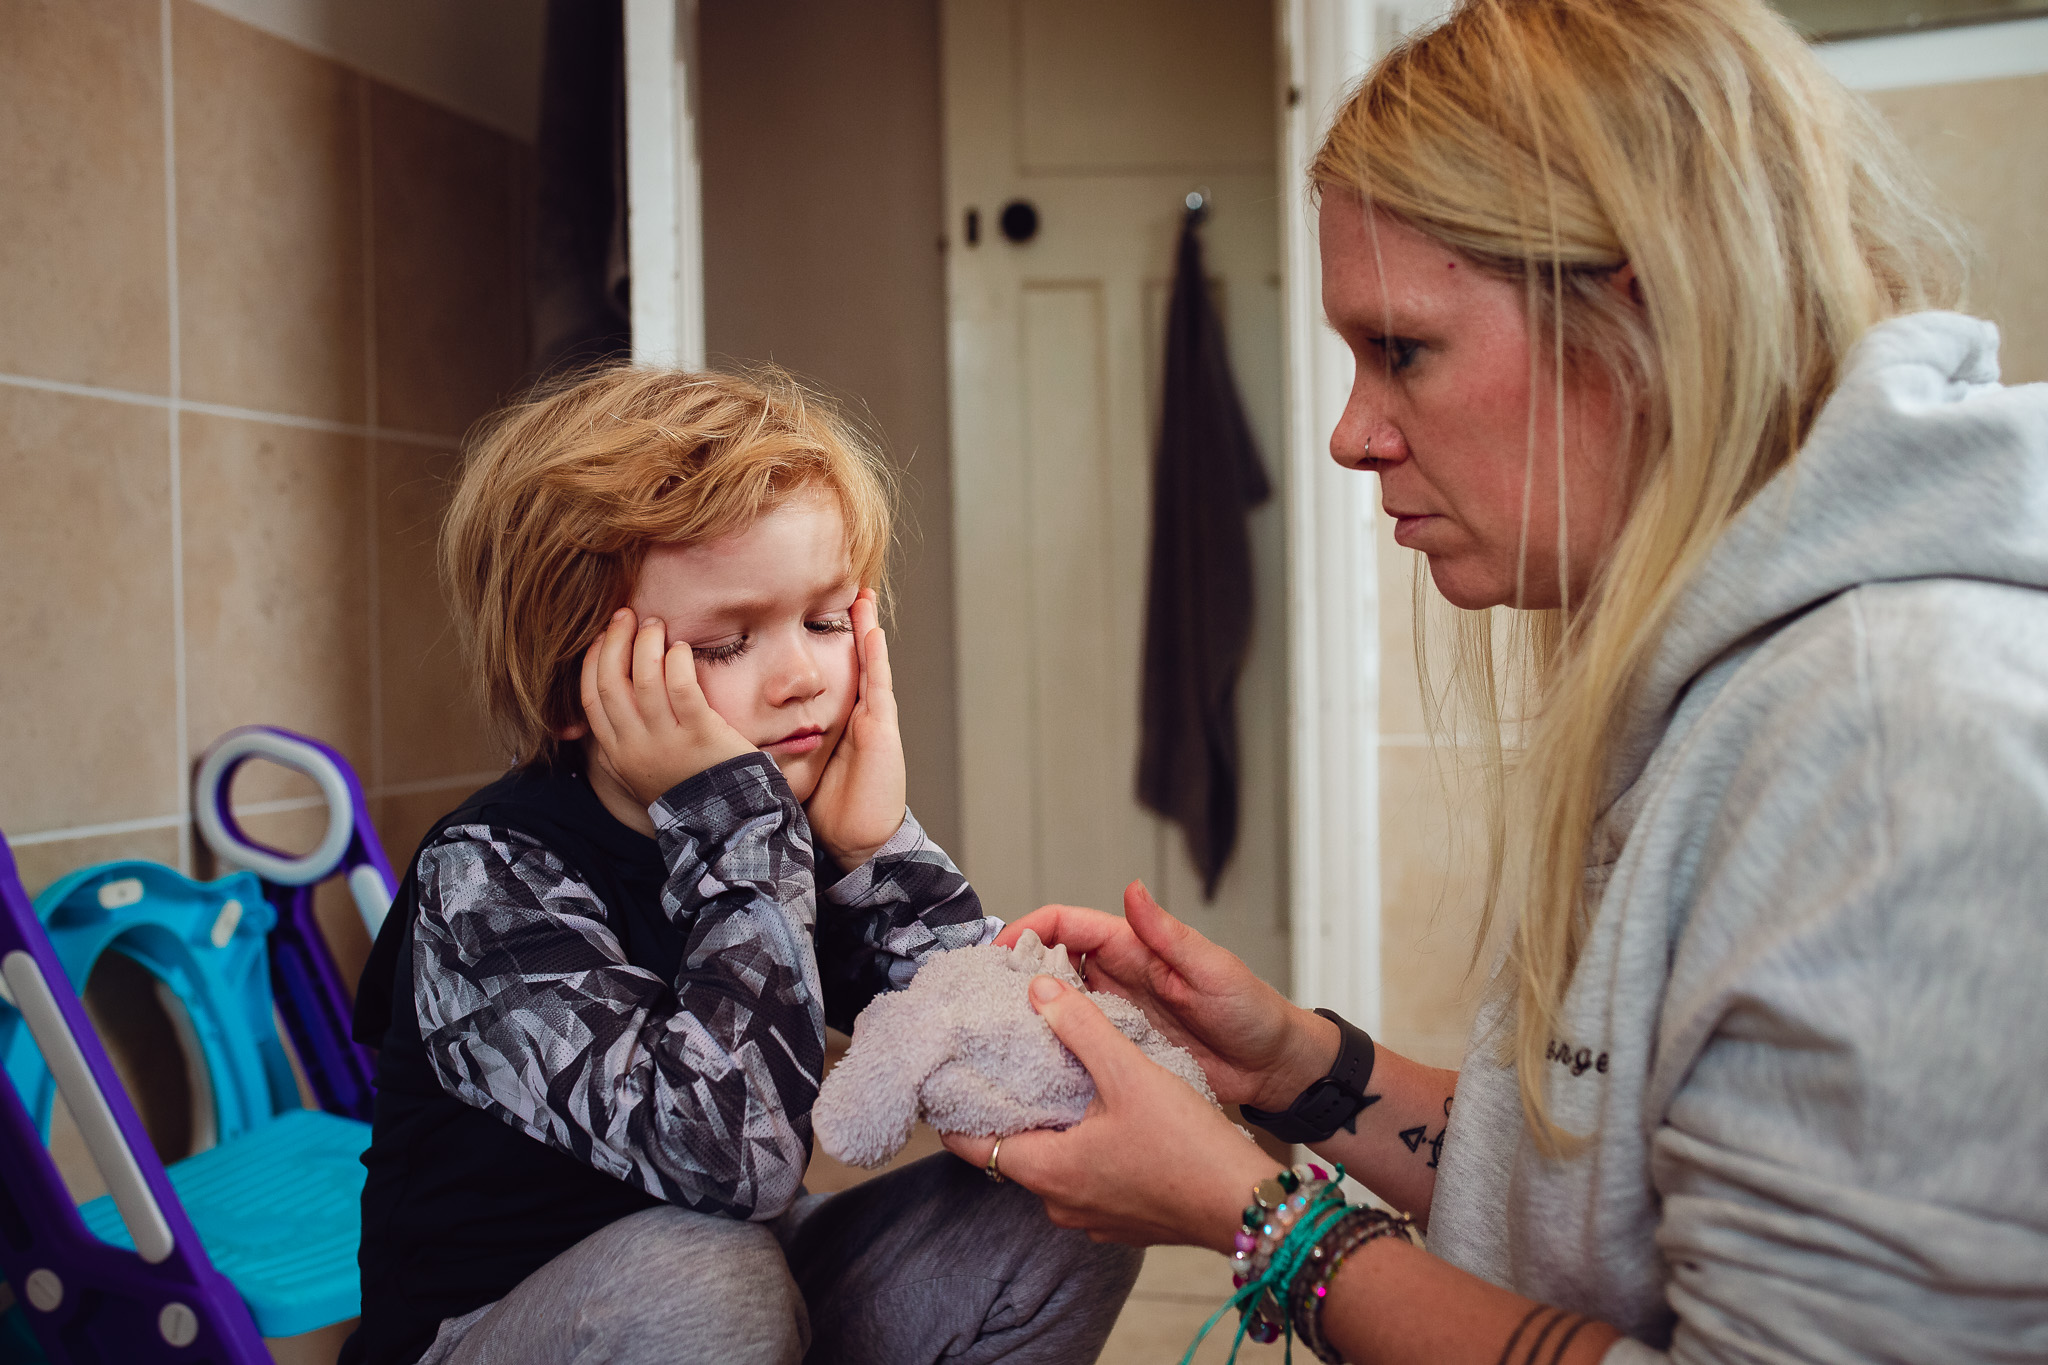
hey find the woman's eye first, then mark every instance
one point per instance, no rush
(1398, 352)
(831, 625)
(721, 654)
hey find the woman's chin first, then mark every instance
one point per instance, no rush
(1457, 584)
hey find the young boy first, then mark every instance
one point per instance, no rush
(601, 994)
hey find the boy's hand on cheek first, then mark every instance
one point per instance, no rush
(858, 802)
(649, 719)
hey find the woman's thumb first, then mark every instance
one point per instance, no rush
(1080, 1024)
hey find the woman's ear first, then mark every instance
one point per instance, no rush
(1624, 279)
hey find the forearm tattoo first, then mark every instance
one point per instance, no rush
(1555, 1330)
(1418, 1137)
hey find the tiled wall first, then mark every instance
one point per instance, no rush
(249, 302)
(1981, 144)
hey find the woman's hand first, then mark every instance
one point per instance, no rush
(1256, 1046)
(1152, 1162)
(652, 728)
(858, 802)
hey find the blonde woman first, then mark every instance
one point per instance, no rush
(1641, 302)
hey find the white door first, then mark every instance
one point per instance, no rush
(1102, 115)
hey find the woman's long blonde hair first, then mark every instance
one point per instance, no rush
(1770, 219)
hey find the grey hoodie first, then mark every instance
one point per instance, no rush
(1809, 1032)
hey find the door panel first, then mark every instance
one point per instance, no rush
(1102, 114)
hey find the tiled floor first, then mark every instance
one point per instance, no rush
(1177, 1291)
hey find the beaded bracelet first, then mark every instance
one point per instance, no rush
(1297, 1231)
(1357, 1229)
(1278, 1204)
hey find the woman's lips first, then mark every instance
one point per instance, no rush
(1406, 526)
(801, 742)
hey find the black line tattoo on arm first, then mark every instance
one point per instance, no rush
(1507, 1352)
(1516, 1353)
(1549, 1326)
(1557, 1355)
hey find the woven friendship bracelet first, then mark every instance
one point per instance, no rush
(1297, 1231)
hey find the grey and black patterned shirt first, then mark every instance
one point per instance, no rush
(699, 1090)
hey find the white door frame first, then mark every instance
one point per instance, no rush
(1332, 583)
(664, 190)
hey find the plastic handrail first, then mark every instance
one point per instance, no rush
(139, 1210)
(219, 765)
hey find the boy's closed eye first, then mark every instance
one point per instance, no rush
(732, 647)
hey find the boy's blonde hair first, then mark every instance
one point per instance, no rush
(1770, 219)
(562, 496)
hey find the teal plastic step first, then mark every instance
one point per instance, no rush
(279, 1210)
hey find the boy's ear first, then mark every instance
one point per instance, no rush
(573, 731)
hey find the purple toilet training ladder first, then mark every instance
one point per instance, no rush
(93, 1303)
(311, 994)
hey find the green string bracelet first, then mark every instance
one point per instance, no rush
(1293, 1251)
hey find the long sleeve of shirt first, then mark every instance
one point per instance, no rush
(882, 919)
(697, 1090)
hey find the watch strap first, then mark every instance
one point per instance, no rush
(1334, 1101)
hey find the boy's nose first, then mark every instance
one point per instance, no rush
(796, 676)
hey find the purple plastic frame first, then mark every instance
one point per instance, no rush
(310, 992)
(113, 1304)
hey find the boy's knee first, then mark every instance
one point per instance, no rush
(687, 1287)
(1097, 1270)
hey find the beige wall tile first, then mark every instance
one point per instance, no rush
(448, 288)
(84, 295)
(87, 658)
(402, 821)
(1982, 144)
(276, 588)
(1432, 879)
(432, 727)
(270, 221)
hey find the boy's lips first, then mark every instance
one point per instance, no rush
(797, 741)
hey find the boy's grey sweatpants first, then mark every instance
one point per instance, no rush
(925, 1263)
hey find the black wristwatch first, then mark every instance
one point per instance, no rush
(1331, 1103)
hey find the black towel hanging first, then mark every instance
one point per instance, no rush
(1206, 479)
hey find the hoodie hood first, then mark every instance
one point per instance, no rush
(1921, 465)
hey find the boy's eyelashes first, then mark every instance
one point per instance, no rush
(733, 648)
(721, 654)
